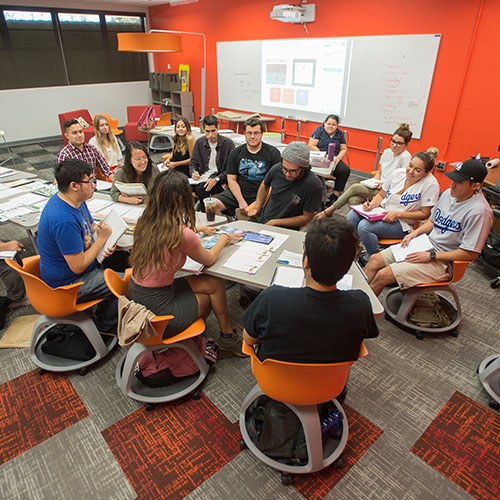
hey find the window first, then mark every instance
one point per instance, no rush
(48, 48)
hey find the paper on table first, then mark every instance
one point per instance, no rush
(421, 243)
(118, 227)
(103, 185)
(29, 198)
(17, 212)
(290, 258)
(345, 283)
(374, 214)
(120, 208)
(191, 266)
(133, 214)
(96, 204)
(278, 240)
(8, 205)
(290, 277)
(131, 188)
(10, 192)
(249, 257)
(371, 183)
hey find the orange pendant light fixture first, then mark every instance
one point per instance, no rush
(149, 42)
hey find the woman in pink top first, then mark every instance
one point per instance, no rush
(165, 234)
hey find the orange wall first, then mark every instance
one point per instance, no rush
(463, 111)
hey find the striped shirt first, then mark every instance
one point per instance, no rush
(90, 154)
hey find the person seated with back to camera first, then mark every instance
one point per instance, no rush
(457, 229)
(296, 192)
(321, 138)
(209, 160)
(138, 167)
(316, 323)
(77, 148)
(407, 196)
(106, 142)
(183, 146)
(11, 279)
(69, 241)
(394, 158)
(164, 237)
(246, 167)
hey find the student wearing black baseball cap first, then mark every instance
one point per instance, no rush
(457, 228)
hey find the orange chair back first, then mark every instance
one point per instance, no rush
(165, 119)
(113, 123)
(300, 383)
(459, 267)
(54, 302)
(119, 287)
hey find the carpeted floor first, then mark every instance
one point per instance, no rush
(419, 421)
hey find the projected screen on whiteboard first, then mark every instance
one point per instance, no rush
(304, 75)
(373, 82)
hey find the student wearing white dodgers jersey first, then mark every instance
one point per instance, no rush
(406, 196)
(457, 229)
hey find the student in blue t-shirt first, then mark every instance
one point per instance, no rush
(66, 241)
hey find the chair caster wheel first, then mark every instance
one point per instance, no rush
(493, 404)
(196, 395)
(495, 283)
(419, 336)
(338, 464)
(454, 333)
(83, 371)
(149, 406)
(244, 301)
(477, 369)
(286, 479)
(243, 445)
(41, 371)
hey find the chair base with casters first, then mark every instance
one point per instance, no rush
(399, 304)
(46, 362)
(128, 383)
(132, 387)
(301, 387)
(489, 376)
(320, 453)
(160, 143)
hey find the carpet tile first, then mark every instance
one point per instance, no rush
(34, 408)
(168, 452)
(362, 434)
(463, 444)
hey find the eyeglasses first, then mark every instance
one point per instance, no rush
(87, 182)
(396, 143)
(292, 172)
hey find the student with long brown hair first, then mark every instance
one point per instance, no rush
(183, 146)
(164, 236)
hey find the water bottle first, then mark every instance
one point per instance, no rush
(330, 421)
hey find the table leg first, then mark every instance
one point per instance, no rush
(32, 238)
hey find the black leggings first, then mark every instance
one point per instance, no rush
(341, 174)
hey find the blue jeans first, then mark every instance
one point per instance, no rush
(370, 232)
(94, 287)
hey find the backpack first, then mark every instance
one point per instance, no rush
(68, 341)
(162, 368)
(432, 311)
(147, 120)
(491, 250)
(276, 431)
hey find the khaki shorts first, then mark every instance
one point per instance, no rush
(408, 274)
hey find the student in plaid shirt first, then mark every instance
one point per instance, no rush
(77, 148)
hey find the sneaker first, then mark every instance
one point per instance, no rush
(363, 259)
(232, 343)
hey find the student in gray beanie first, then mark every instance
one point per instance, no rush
(296, 192)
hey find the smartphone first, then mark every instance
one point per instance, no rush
(258, 238)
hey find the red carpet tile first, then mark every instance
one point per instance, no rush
(168, 452)
(362, 434)
(463, 444)
(34, 408)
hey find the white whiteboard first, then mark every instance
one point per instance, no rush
(388, 80)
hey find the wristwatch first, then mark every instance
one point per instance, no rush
(217, 179)
(432, 254)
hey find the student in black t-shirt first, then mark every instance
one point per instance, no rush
(295, 191)
(317, 323)
(246, 167)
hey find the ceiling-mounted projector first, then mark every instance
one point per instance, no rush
(287, 13)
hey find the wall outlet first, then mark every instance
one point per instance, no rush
(441, 165)
(168, 66)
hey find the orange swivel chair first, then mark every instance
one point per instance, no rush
(59, 306)
(302, 387)
(130, 385)
(399, 303)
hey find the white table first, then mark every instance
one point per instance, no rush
(263, 277)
